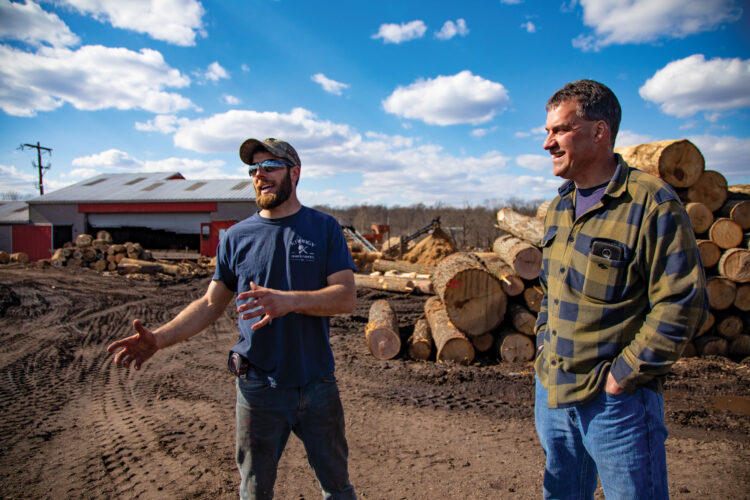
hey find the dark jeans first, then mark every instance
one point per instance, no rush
(265, 417)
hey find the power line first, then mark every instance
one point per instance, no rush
(39, 161)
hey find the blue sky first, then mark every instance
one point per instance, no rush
(389, 102)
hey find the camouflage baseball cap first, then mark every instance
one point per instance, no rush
(282, 149)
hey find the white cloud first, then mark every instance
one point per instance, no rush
(173, 21)
(529, 27)
(230, 99)
(215, 72)
(449, 100)
(245, 68)
(165, 124)
(537, 163)
(225, 131)
(90, 78)
(399, 33)
(630, 138)
(29, 23)
(117, 160)
(481, 132)
(330, 86)
(726, 154)
(536, 131)
(511, 2)
(23, 182)
(451, 29)
(383, 162)
(642, 21)
(687, 86)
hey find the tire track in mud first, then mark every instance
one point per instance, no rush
(122, 448)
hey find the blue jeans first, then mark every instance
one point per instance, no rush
(620, 438)
(265, 417)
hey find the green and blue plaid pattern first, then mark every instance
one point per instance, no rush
(631, 315)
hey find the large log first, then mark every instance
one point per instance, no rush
(707, 326)
(742, 298)
(726, 233)
(689, 351)
(721, 292)
(678, 162)
(521, 226)
(512, 283)
(401, 266)
(473, 297)
(20, 257)
(451, 344)
(84, 240)
(533, 297)
(542, 209)
(735, 265)
(710, 252)
(712, 346)
(514, 347)
(147, 267)
(484, 342)
(394, 283)
(729, 326)
(711, 190)
(738, 211)
(700, 216)
(419, 345)
(524, 258)
(739, 191)
(522, 319)
(740, 346)
(381, 331)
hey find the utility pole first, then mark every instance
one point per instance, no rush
(39, 161)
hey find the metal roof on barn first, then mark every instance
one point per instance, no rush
(149, 187)
(14, 212)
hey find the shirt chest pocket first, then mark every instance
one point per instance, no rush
(606, 278)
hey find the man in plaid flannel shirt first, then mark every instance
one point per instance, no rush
(624, 293)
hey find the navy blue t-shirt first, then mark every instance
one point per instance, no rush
(298, 253)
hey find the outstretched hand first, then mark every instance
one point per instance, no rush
(266, 302)
(135, 349)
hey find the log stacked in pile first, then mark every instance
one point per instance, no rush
(720, 217)
(102, 254)
(479, 306)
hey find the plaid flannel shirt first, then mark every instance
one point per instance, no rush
(631, 314)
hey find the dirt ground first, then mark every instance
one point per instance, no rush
(75, 426)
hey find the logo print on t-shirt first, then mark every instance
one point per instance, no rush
(302, 250)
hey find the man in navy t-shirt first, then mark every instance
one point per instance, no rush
(290, 269)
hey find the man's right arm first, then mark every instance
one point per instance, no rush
(190, 321)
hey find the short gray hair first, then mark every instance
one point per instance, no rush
(595, 101)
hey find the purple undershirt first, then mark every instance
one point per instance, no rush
(588, 197)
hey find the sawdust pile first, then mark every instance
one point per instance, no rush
(432, 249)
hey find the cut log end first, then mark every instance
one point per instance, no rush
(383, 343)
(475, 301)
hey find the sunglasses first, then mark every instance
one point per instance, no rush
(268, 166)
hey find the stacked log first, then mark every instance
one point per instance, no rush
(381, 331)
(473, 297)
(451, 343)
(720, 216)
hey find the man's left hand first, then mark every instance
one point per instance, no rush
(266, 302)
(612, 387)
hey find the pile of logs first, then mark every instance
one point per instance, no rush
(101, 254)
(487, 302)
(720, 217)
(15, 257)
(480, 304)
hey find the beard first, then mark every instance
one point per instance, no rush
(269, 201)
